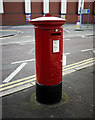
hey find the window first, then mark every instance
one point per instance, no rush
(27, 6)
(46, 6)
(63, 6)
(1, 6)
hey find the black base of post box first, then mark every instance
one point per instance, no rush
(49, 94)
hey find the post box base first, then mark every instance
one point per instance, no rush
(49, 94)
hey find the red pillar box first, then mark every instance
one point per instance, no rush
(48, 50)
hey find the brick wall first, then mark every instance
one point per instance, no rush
(14, 12)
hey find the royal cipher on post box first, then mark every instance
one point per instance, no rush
(48, 53)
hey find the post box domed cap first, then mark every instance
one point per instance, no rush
(48, 17)
(48, 21)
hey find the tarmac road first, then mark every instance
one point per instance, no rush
(18, 50)
(22, 48)
(18, 63)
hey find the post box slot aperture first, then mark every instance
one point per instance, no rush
(55, 34)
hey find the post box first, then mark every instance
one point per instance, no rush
(48, 53)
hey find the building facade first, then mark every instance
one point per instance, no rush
(14, 12)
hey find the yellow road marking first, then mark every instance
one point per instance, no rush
(79, 65)
(19, 80)
(78, 62)
(17, 84)
(34, 76)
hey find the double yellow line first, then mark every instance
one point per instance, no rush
(78, 64)
(33, 77)
(16, 83)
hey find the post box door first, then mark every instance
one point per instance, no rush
(55, 71)
(49, 49)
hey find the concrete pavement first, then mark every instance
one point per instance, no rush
(77, 86)
(77, 100)
(27, 82)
